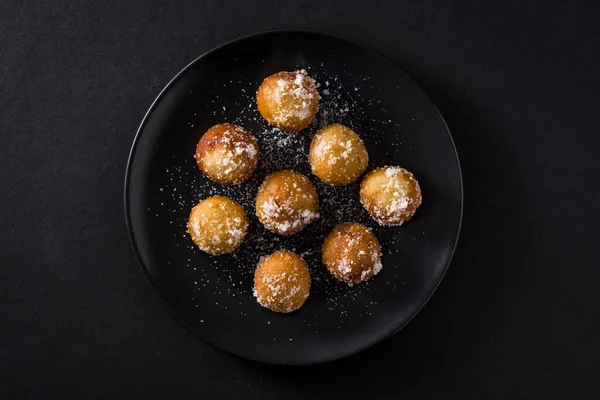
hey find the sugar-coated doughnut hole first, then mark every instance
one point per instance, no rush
(352, 253)
(287, 202)
(227, 154)
(391, 195)
(281, 282)
(288, 100)
(218, 225)
(337, 155)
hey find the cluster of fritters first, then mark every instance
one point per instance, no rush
(287, 201)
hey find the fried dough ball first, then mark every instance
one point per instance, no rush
(352, 253)
(390, 194)
(287, 202)
(337, 155)
(218, 225)
(227, 154)
(281, 282)
(288, 100)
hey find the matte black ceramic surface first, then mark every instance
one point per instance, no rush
(212, 296)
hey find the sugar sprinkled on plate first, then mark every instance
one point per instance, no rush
(340, 103)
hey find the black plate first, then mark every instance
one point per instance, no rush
(212, 296)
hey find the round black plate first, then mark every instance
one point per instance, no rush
(212, 296)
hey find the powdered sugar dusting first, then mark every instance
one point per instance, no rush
(182, 185)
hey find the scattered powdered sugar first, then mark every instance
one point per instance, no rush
(182, 185)
(347, 148)
(391, 171)
(300, 76)
(344, 268)
(378, 267)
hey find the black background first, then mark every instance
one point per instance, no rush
(517, 315)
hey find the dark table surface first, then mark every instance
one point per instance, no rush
(518, 314)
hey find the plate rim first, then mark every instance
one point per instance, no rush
(126, 204)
